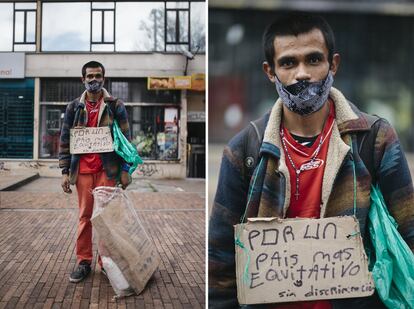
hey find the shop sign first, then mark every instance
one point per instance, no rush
(196, 117)
(169, 83)
(289, 260)
(12, 65)
(198, 82)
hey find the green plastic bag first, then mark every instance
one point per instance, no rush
(393, 265)
(125, 149)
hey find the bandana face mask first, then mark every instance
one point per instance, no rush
(94, 86)
(305, 98)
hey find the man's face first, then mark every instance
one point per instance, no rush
(302, 57)
(93, 73)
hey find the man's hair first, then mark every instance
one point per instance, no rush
(295, 24)
(92, 64)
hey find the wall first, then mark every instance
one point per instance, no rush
(196, 101)
(50, 168)
(116, 65)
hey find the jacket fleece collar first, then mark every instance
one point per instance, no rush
(105, 93)
(347, 119)
(106, 97)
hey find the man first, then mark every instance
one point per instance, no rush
(298, 160)
(95, 108)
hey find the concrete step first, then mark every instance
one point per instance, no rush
(10, 181)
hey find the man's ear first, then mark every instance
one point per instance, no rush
(269, 72)
(83, 80)
(336, 59)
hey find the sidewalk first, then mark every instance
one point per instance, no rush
(37, 247)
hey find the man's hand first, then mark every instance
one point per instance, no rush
(66, 184)
(125, 179)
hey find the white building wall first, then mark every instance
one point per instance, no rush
(116, 65)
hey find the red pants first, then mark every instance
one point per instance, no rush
(84, 185)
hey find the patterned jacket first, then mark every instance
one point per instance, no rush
(77, 116)
(271, 191)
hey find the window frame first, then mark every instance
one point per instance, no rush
(177, 26)
(102, 39)
(25, 11)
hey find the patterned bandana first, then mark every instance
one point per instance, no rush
(303, 97)
(94, 86)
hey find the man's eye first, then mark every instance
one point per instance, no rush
(97, 76)
(314, 60)
(286, 63)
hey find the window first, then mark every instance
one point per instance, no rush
(6, 26)
(60, 90)
(51, 120)
(103, 26)
(18, 26)
(66, 26)
(198, 26)
(24, 36)
(135, 90)
(139, 26)
(54, 96)
(177, 26)
(16, 119)
(153, 117)
(155, 131)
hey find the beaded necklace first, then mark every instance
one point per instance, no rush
(299, 170)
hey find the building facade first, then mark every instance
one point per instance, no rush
(43, 46)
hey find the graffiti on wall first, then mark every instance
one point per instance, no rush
(28, 164)
(149, 169)
(3, 167)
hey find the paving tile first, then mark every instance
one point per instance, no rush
(37, 252)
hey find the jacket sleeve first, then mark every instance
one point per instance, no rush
(228, 207)
(64, 153)
(394, 179)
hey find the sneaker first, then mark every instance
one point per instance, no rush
(80, 273)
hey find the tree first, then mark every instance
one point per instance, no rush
(154, 27)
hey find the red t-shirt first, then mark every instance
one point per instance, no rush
(308, 203)
(91, 163)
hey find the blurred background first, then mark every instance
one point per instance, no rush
(374, 38)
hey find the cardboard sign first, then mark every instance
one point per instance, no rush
(91, 140)
(300, 259)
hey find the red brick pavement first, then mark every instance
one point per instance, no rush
(37, 253)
